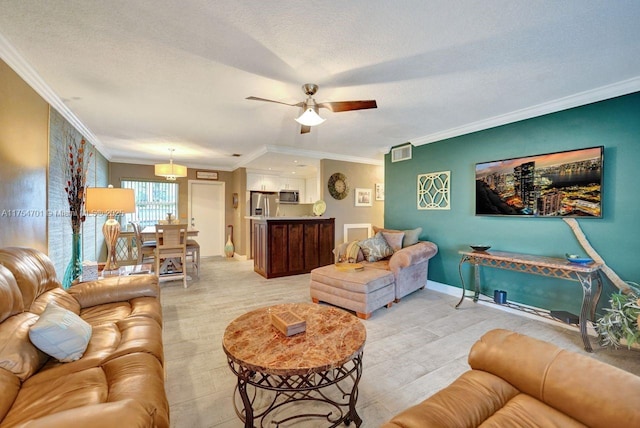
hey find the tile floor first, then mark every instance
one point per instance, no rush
(413, 349)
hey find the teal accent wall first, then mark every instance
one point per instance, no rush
(613, 123)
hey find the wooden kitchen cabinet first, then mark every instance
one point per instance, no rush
(260, 248)
(285, 247)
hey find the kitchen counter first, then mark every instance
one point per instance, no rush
(299, 217)
(283, 246)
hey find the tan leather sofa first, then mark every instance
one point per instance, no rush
(518, 381)
(118, 381)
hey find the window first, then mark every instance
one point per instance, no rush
(154, 200)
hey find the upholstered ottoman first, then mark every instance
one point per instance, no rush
(361, 291)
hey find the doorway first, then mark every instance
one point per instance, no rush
(206, 214)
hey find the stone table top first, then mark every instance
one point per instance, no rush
(542, 261)
(332, 337)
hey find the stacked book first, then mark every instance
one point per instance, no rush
(89, 271)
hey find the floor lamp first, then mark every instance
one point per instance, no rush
(110, 201)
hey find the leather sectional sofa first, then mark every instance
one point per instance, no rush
(119, 378)
(518, 381)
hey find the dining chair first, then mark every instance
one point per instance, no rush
(146, 249)
(193, 251)
(171, 243)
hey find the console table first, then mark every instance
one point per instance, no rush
(586, 274)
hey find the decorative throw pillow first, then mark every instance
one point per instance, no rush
(394, 239)
(411, 237)
(351, 253)
(60, 333)
(375, 248)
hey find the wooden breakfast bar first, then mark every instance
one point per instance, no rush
(283, 246)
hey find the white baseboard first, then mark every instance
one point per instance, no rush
(457, 292)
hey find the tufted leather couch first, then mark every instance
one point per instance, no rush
(119, 381)
(516, 380)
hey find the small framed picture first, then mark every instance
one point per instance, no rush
(206, 175)
(379, 191)
(363, 197)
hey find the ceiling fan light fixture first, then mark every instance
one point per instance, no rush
(310, 118)
(170, 170)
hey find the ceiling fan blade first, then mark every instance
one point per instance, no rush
(338, 106)
(304, 129)
(272, 101)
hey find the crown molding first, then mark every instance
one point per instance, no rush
(613, 90)
(256, 154)
(322, 155)
(137, 161)
(18, 64)
(250, 157)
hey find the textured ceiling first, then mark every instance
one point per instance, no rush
(146, 75)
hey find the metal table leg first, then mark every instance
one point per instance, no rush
(589, 302)
(476, 280)
(247, 414)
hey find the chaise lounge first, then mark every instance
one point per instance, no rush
(383, 280)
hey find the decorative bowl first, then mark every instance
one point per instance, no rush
(574, 258)
(480, 247)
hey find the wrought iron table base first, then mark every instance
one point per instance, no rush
(273, 393)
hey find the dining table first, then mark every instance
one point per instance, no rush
(149, 233)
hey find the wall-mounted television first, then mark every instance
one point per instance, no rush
(561, 184)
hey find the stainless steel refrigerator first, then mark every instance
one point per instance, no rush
(264, 203)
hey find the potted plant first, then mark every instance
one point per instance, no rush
(619, 326)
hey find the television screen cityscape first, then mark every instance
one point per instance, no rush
(561, 184)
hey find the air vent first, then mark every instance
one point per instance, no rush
(236, 155)
(401, 153)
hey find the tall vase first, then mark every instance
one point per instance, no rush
(228, 248)
(74, 268)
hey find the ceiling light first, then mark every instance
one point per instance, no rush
(310, 118)
(170, 170)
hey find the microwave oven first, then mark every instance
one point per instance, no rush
(289, 196)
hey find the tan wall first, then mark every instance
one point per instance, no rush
(345, 212)
(123, 171)
(24, 124)
(241, 233)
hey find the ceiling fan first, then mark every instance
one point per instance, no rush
(309, 116)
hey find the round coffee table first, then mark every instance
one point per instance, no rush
(276, 374)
